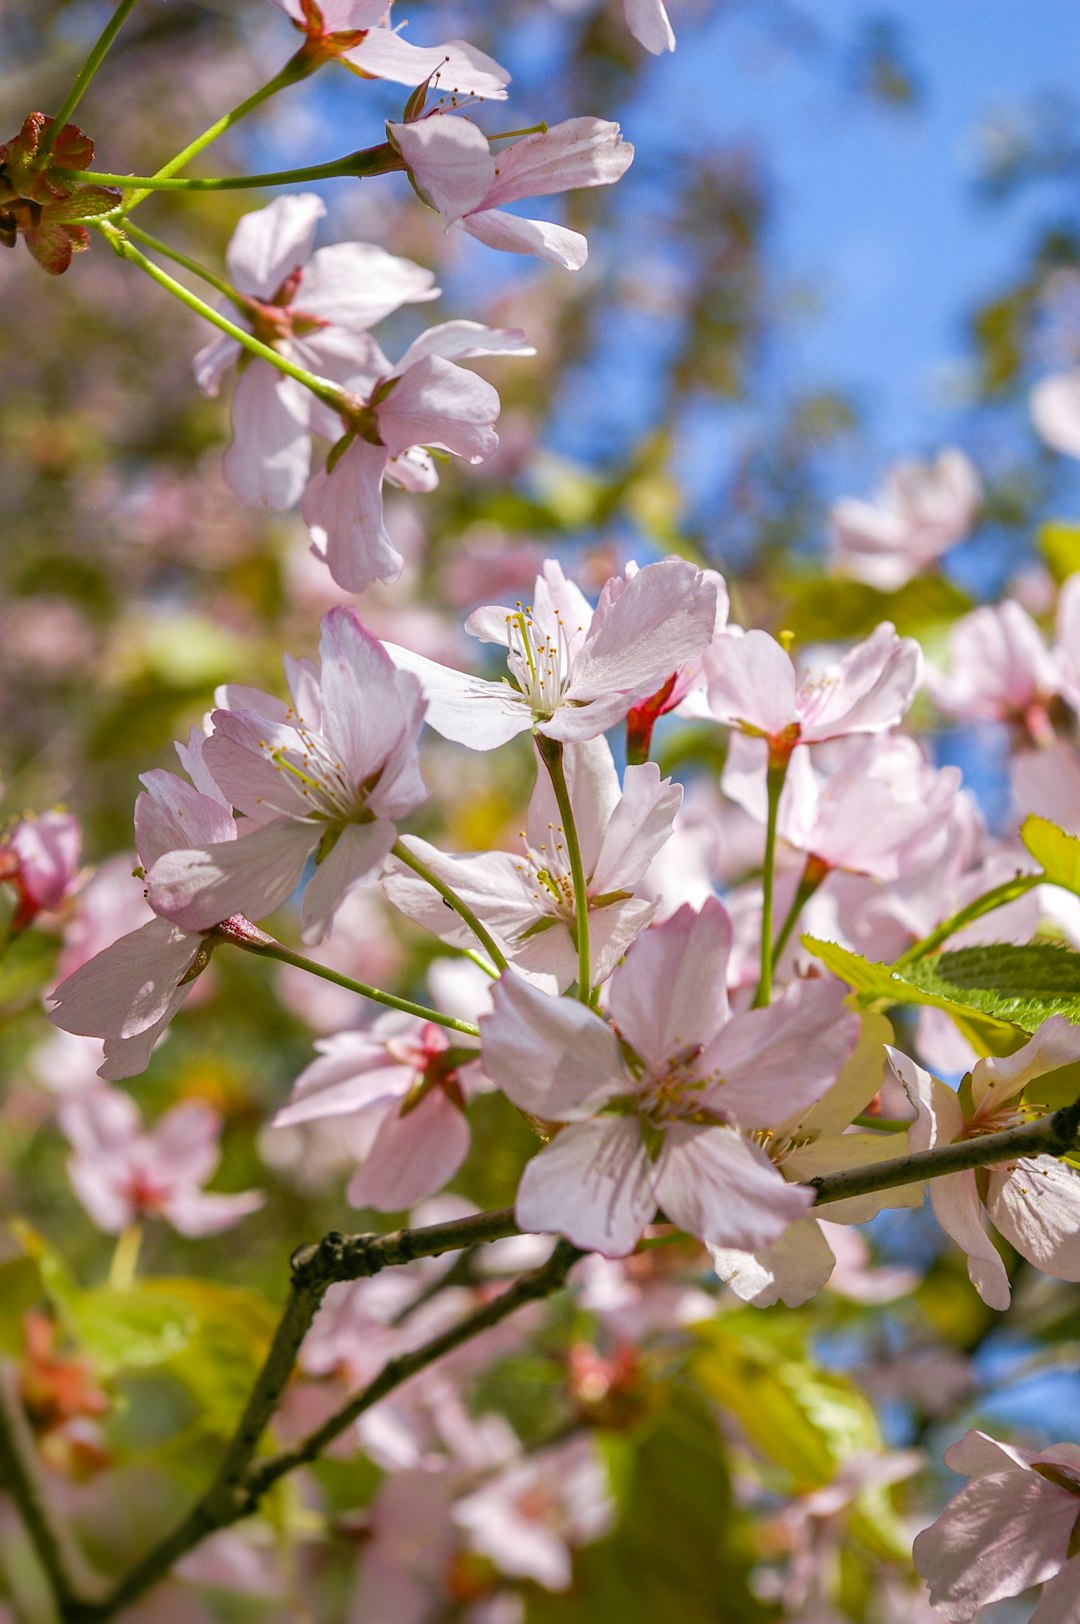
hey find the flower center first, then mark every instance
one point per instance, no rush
(539, 663)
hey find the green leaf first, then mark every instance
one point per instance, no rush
(20, 1289)
(989, 1031)
(803, 1420)
(1059, 543)
(231, 1331)
(679, 1552)
(1024, 985)
(128, 1330)
(1058, 852)
(831, 608)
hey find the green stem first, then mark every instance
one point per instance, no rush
(776, 773)
(320, 387)
(551, 754)
(256, 941)
(223, 287)
(85, 74)
(296, 69)
(812, 875)
(125, 1258)
(451, 898)
(1008, 891)
(380, 160)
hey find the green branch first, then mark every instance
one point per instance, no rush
(368, 161)
(776, 773)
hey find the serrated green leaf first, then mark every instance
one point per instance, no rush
(1023, 985)
(880, 984)
(1058, 852)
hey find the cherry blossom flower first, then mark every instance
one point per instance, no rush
(358, 33)
(129, 991)
(922, 510)
(314, 309)
(1055, 411)
(1033, 1201)
(1000, 670)
(40, 859)
(325, 778)
(453, 168)
(1013, 1526)
(648, 21)
(528, 1517)
(881, 810)
(110, 905)
(528, 902)
(653, 1108)
(574, 672)
(406, 1085)
(390, 415)
(1066, 652)
(123, 1174)
(753, 685)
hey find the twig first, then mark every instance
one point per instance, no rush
(1050, 1136)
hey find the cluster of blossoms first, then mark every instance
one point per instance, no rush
(640, 996)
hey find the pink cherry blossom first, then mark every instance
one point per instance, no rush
(648, 21)
(314, 309)
(129, 991)
(123, 1174)
(406, 1084)
(456, 173)
(40, 859)
(108, 906)
(1035, 1200)
(1055, 411)
(881, 810)
(527, 902)
(922, 510)
(1000, 670)
(325, 777)
(1066, 652)
(528, 1517)
(652, 1110)
(1013, 1526)
(358, 32)
(753, 685)
(390, 415)
(574, 671)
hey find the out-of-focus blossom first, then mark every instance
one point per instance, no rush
(653, 1110)
(453, 168)
(109, 905)
(528, 1518)
(1034, 1200)
(1000, 670)
(391, 415)
(683, 692)
(324, 777)
(123, 1174)
(129, 991)
(753, 685)
(362, 946)
(40, 859)
(575, 671)
(1012, 1527)
(359, 33)
(406, 1081)
(881, 809)
(314, 309)
(922, 510)
(648, 21)
(1055, 411)
(1066, 652)
(528, 902)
